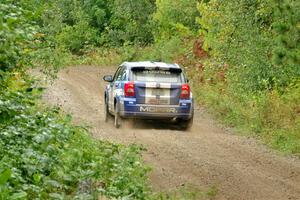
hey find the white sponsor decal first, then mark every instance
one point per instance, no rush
(157, 109)
(118, 92)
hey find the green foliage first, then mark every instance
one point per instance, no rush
(42, 155)
(75, 38)
(270, 115)
(163, 50)
(255, 47)
(286, 54)
(68, 27)
(99, 12)
(77, 26)
(129, 22)
(175, 17)
(240, 33)
(16, 34)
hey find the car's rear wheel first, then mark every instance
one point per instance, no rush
(187, 124)
(117, 117)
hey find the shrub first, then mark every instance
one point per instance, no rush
(75, 38)
(175, 18)
(15, 36)
(129, 23)
(270, 115)
(43, 156)
(241, 34)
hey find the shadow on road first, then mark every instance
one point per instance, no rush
(153, 124)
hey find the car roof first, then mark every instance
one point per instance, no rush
(151, 64)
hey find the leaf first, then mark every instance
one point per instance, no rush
(56, 196)
(37, 178)
(19, 195)
(4, 176)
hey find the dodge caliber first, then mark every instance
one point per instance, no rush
(149, 90)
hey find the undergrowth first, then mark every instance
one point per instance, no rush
(270, 115)
(44, 156)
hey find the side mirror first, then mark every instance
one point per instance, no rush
(108, 78)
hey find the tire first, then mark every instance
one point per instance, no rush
(187, 124)
(118, 119)
(107, 115)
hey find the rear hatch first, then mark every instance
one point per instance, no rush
(157, 86)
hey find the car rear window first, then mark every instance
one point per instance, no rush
(155, 75)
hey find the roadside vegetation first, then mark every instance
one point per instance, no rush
(43, 156)
(252, 74)
(242, 57)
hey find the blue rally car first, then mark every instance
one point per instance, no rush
(149, 90)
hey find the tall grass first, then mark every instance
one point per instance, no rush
(272, 116)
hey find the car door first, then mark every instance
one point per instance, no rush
(115, 87)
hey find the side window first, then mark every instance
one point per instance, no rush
(124, 75)
(120, 74)
(117, 74)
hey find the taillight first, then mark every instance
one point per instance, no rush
(129, 90)
(185, 91)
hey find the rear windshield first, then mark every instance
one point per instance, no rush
(157, 76)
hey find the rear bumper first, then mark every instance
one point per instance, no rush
(129, 109)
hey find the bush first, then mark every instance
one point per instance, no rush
(163, 50)
(16, 35)
(175, 18)
(270, 115)
(75, 38)
(241, 34)
(129, 23)
(42, 155)
(286, 53)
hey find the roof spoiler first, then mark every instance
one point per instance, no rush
(170, 69)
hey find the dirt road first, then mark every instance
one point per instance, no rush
(239, 167)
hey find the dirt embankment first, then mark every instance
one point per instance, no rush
(239, 167)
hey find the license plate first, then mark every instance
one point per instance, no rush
(159, 92)
(157, 96)
(158, 101)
